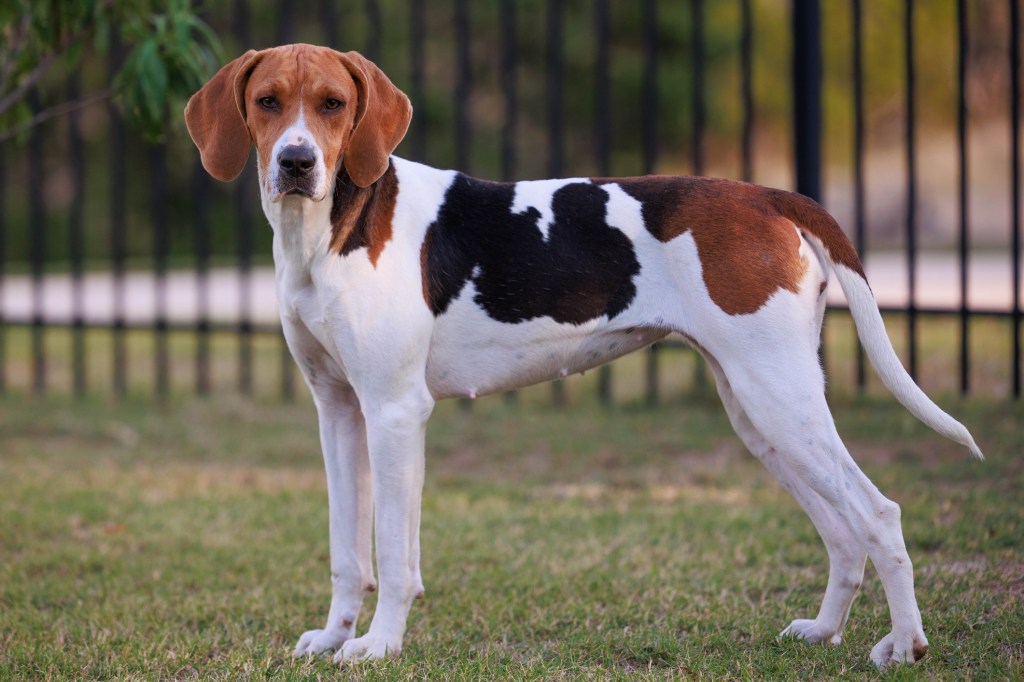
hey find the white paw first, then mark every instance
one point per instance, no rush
(315, 642)
(892, 649)
(366, 648)
(811, 631)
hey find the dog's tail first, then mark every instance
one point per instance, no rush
(829, 237)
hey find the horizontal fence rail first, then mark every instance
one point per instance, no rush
(119, 256)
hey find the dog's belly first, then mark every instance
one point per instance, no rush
(471, 354)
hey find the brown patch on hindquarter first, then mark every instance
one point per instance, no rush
(747, 247)
(363, 216)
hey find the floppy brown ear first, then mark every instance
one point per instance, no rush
(382, 117)
(216, 120)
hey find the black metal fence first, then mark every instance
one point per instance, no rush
(761, 91)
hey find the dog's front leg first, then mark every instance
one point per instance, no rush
(343, 439)
(395, 432)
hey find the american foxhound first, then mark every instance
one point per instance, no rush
(401, 284)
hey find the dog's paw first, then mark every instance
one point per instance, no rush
(811, 631)
(315, 642)
(366, 648)
(893, 649)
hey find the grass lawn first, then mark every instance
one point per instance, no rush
(188, 540)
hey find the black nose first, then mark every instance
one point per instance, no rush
(296, 160)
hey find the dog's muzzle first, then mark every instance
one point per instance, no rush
(296, 165)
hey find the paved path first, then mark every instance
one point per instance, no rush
(937, 286)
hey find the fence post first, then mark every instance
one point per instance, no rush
(1015, 222)
(37, 245)
(463, 84)
(76, 237)
(649, 131)
(807, 96)
(964, 237)
(602, 139)
(3, 266)
(118, 225)
(807, 105)
(554, 85)
(859, 214)
(911, 211)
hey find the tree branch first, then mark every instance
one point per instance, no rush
(17, 40)
(53, 112)
(36, 74)
(33, 77)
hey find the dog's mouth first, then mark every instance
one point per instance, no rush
(291, 187)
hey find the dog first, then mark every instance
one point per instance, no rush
(401, 284)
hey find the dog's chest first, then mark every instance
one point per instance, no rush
(309, 329)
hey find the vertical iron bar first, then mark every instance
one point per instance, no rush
(962, 46)
(509, 37)
(243, 200)
(37, 244)
(697, 57)
(201, 222)
(650, 85)
(911, 226)
(416, 90)
(554, 97)
(118, 231)
(700, 377)
(807, 106)
(3, 266)
(859, 218)
(554, 87)
(649, 107)
(285, 33)
(807, 96)
(509, 86)
(463, 76)
(287, 372)
(161, 247)
(244, 222)
(285, 21)
(76, 154)
(374, 30)
(200, 218)
(747, 88)
(329, 24)
(602, 88)
(1015, 235)
(602, 141)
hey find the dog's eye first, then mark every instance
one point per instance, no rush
(267, 102)
(331, 104)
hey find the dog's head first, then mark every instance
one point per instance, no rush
(309, 110)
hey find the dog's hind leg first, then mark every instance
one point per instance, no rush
(847, 555)
(781, 390)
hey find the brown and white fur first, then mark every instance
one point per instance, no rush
(401, 284)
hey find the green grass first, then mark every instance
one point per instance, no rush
(188, 540)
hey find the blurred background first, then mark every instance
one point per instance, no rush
(125, 268)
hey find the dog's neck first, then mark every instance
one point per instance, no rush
(302, 229)
(351, 217)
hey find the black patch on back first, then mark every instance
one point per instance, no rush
(584, 270)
